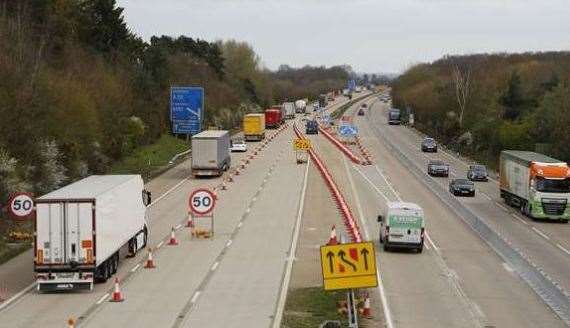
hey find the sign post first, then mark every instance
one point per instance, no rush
(186, 110)
(202, 203)
(301, 147)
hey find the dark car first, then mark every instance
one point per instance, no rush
(462, 187)
(364, 105)
(361, 112)
(429, 145)
(311, 127)
(477, 173)
(438, 168)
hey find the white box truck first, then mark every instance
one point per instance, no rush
(210, 153)
(536, 184)
(82, 229)
(289, 109)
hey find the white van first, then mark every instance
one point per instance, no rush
(402, 225)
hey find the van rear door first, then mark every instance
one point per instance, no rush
(405, 228)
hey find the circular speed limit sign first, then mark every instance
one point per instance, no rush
(202, 201)
(21, 205)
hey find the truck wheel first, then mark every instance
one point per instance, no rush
(420, 248)
(380, 239)
(386, 247)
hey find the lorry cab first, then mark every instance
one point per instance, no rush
(402, 225)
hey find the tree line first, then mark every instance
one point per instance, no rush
(79, 90)
(482, 104)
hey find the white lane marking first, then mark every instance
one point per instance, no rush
(229, 243)
(292, 251)
(135, 268)
(102, 299)
(371, 183)
(178, 227)
(168, 191)
(215, 266)
(160, 244)
(563, 249)
(383, 298)
(432, 243)
(502, 206)
(253, 199)
(486, 196)
(247, 210)
(195, 297)
(519, 218)
(542, 234)
(388, 183)
(508, 268)
(240, 224)
(17, 295)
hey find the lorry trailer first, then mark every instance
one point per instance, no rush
(210, 153)
(536, 184)
(254, 127)
(81, 230)
(289, 108)
(272, 118)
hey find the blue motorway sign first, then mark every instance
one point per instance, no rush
(347, 130)
(186, 109)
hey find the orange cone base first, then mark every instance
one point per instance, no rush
(149, 265)
(173, 242)
(117, 297)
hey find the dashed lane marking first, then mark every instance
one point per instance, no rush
(102, 299)
(542, 234)
(135, 268)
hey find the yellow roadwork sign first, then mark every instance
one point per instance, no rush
(348, 266)
(301, 144)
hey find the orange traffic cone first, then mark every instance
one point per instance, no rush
(70, 323)
(366, 311)
(190, 222)
(149, 262)
(117, 296)
(333, 240)
(172, 240)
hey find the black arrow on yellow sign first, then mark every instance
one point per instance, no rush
(341, 254)
(364, 253)
(330, 255)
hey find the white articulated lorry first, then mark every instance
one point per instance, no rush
(289, 108)
(211, 153)
(82, 230)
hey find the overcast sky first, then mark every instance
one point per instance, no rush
(369, 35)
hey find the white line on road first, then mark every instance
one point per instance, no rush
(135, 268)
(502, 206)
(248, 210)
(292, 250)
(563, 249)
(508, 268)
(519, 218)
(102, 299)
(388, 183)
(160, 244)
(17, 296)
(195, 297)
(215, 266)
(486, 196)
(229, 243)
(239, 224)
(371, 183)
(178, 227)
(168, 191)
(542, 234)
(253, 199)
(432, 243)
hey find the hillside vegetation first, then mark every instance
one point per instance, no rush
(482, 104)
(79, 91)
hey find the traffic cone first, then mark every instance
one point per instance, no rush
(332, 239)
(117, 296)
(190, 222)
(172, 241)
(70, 323)
(149, 262)
(366, 311)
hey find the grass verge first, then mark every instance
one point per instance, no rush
(8, 252)
(152, 159)
(309, 307)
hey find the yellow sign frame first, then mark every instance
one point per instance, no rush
(347, 266)
(301, 144)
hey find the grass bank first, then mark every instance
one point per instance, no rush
(309, 307)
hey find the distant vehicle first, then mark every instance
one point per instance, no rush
(210, 153)
(238, 145)
(289, 110)
(345, 92)
(438, 168)
(429, 145)
(364, 105)
(394, 116)
(254, 127)
(361, 112)
(323, 101)
(82, 229)
(477, 173)
(300, 106)
(311, 127)
(402, 226)
(537, 184)
(462, 187)
(273, 118)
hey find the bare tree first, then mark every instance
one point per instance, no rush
(462, 81)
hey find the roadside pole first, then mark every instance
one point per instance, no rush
(352, 313)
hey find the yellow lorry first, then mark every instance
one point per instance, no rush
(254, 127)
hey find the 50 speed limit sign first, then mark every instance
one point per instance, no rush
(202, 201)
(21, 205)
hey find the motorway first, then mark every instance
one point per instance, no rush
(239, 278)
